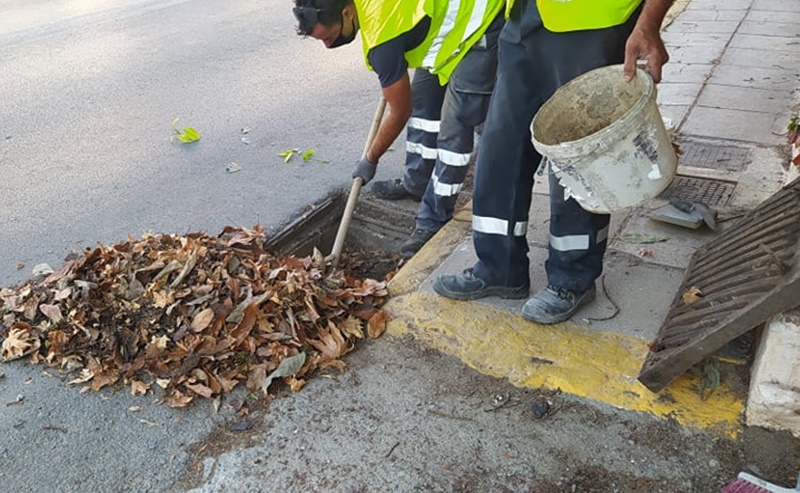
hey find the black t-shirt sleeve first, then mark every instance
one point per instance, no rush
(388, 60)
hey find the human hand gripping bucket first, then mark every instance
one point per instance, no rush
(605, 140)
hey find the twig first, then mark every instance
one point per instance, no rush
(55, 428)
(392, 449)
(616, 308)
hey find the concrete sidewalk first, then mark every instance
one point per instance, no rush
(730, 88)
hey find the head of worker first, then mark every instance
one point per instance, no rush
(334, 22)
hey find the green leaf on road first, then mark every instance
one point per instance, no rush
(308, 154)
(288, 367)
(288, 154)
(186, 135)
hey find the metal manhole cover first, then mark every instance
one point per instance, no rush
(738, 280)
(717, 157)
(710, 192)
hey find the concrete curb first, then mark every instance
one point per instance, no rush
(580, 361)
(774, 398)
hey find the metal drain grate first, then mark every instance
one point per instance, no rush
(715, 193)
(739, 280)
(717, 157)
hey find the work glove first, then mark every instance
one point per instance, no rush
(365, 170)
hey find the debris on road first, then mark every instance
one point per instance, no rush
(19, 400)
(241, 425)
(187, 135)
(55, 428)
(196, 315)
(540, 407)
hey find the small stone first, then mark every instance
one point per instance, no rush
(241, 425)
(540, 408)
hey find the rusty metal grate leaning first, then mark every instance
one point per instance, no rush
(737, 281)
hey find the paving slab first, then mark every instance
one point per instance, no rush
(790, 15)
(692, 73)
(767, 28)
(673, 37)
(749, 57)
(775, 5)
(695, 54)
(780, 42)
(675, 113)
(700, 15)
(737, 125)
(707, 26)
(679, 93)
(719, 5)
(677, 249)
(773, 78)
(743, 98)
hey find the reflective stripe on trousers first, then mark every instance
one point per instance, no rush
(533, 62)
(464, 108)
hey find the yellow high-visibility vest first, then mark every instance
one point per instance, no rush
(580, 15)
(456, 25)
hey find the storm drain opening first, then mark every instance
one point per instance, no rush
(736, 282)
(713, 193)
(728, 158)
(376, 232)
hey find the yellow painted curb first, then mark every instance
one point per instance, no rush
(598, 365)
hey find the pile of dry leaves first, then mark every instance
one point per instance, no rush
(195, 315)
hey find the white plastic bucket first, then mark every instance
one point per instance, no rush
(605, 140)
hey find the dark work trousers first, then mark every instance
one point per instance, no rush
(440, 133)
(532, 64)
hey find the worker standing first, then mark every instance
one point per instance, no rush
(453, 47)
(544, 44)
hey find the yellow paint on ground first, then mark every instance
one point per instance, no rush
(598, 365)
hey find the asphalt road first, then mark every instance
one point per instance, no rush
(88, 92)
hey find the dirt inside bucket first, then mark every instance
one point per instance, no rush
(585, 107)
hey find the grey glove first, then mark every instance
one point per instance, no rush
(365, 170)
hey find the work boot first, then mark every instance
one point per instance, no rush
(552, 305)
(468, 286)
(393, 190)
(418, 238)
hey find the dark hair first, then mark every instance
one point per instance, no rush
(311, 12)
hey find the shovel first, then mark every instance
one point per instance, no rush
(338, 244)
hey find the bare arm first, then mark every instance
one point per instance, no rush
(645, 42)
(398, 97)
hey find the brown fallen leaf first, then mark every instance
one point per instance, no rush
(691, 295)
(193, 314)
(18, 342)
(20, 265)
(53, 312)
(202, 320)
(376, 325)
(644, 252)
(139, 388)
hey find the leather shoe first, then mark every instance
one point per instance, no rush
(468, 286)
(552, 305)
(418, 238)
(393, 190)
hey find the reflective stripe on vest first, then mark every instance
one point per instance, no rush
(456, 25)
